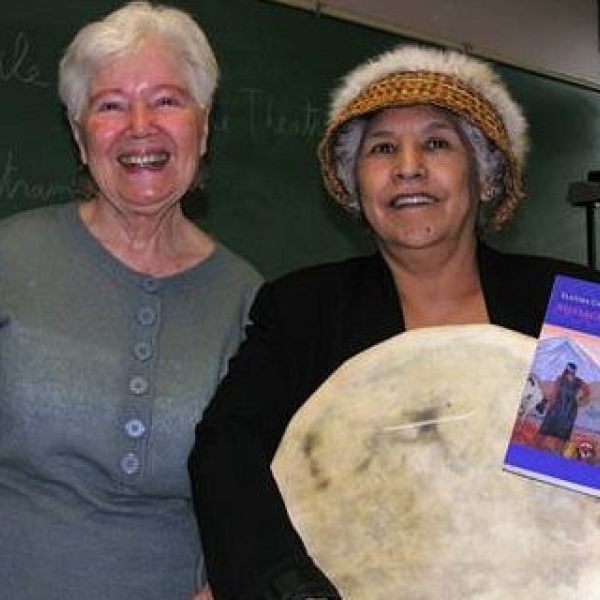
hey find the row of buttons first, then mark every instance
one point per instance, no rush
(147, 318)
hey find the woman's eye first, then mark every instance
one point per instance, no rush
(437, 143)
(167, 101)
(383, 148)
(109, 105)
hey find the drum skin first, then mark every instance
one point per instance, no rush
(392, 474)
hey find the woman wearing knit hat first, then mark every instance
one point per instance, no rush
(426, 147)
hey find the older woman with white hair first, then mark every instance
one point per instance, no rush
(426, 147)
(118, 316)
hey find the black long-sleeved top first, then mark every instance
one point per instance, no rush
(305, 325)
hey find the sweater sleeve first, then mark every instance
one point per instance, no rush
(252, 549)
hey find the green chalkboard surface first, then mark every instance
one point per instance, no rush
(263, 196)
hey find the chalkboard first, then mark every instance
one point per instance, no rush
(263, 196)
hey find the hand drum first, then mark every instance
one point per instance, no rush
(392, 474)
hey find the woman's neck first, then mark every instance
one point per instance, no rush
(158, 245)
(439, 287)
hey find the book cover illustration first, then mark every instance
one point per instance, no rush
(556, 434)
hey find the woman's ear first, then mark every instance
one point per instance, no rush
(486, 193)
(492, 189)
(78, 137)
(204, 131)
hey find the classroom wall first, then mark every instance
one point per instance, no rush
(263, 195)
(558, 38)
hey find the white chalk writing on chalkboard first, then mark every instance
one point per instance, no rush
(16, 63)
(263, 116)
(14, 187)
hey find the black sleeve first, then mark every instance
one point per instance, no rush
(304, 326)
(252, 550)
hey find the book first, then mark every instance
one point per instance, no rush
(556, 432)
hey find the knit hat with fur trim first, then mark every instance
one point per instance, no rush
(410, 75)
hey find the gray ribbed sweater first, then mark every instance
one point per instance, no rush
(103, 374)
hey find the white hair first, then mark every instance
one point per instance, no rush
(122, 32)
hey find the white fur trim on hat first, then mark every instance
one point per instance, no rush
(470, 71)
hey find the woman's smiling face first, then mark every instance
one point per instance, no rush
(416, 178)
(141, 133)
